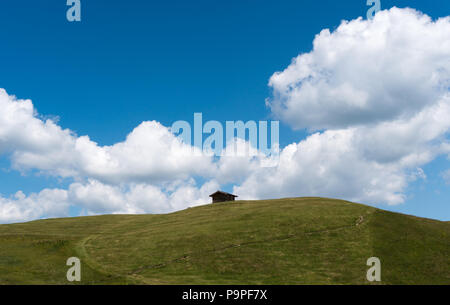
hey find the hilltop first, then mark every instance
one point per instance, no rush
(283, 241)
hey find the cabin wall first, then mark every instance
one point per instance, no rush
(222, 198)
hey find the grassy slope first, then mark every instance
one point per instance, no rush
(286, 241)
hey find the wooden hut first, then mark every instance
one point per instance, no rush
(220, 196)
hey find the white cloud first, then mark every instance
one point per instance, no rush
(331, 164)
(366, 71)
(95, 198)
(150, 153)
(98, 198)
(47, 203)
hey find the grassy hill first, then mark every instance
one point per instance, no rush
(286, 241)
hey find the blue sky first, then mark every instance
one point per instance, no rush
(134, 61)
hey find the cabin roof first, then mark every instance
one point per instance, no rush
(222, 193)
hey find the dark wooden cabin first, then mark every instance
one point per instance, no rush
(220, 196)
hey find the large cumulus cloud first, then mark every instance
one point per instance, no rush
(366, 71)
(150, 152)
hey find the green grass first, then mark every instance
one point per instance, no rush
(285, 241)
